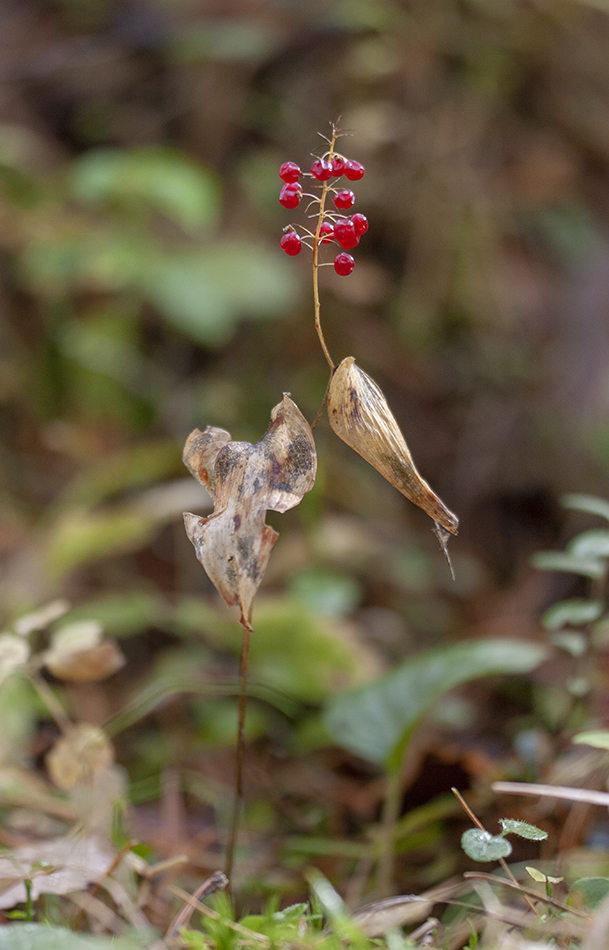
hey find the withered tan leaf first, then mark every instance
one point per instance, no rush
(78, 754)
(234, 543)
(86, 666)
(360, 416)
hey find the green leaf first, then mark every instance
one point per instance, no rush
(571, 641)
(30, 936)
(140, 464)
(542, 878)
(239, 40)
(122, 614)
(204, 293)
(593, 889)
(301, 654)
(83, 536)
(325, 591)
(573, 611)
(156, 178)
(594, 506)
(590, 544)
(511, 826)
(597, 738)
(377, 720)
(481, 845)
(569, 563)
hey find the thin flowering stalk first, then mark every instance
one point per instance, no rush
(316, 243)
(332, 227)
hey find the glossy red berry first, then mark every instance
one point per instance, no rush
(344, 200)
(343, 264)
(290, 195)
(354, 171)
(326, 233)
(338, 165)
(291, 243)
(289, 172)
(344, 232)
(360, 223)
(321, 170)
(349, 242)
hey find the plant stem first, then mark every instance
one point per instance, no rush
(232, 841)
(52, 703)
(316, 243)
(396, 780)
(502, 861)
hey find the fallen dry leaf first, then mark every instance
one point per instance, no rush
(234, 543)
(86, 666)
(77, 755)
(360, 416)
(79, 653)
(57, 866)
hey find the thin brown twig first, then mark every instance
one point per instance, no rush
(321, 408)
(484, 876)
(586, 795)
(214, 915)
(217, 881)
(502, 861)
(243, 666)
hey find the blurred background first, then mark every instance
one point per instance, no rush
(143, 293)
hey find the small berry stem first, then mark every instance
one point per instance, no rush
(316, 243)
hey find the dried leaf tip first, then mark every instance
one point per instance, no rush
(360, 416)
(234, 544)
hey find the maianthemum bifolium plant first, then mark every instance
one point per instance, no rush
(245, 481)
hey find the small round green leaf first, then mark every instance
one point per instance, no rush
(483, 846)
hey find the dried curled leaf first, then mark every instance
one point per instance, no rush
(78, 652)
(234, 543)
(78, 754)
(360, 416)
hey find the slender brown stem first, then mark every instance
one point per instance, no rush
(321, 408)
(232, 841)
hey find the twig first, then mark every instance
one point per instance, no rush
(214, 915)
(483, 875)
(587, 795)
(217, 881)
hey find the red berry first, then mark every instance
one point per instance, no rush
(338, 165)
(343, 264)
(360, 223)
(289, 171)
(349, 242)
(326, 233)
(321, 170)
(344, 232)
(291, 243)
(344, 199)
(354, 171)
(290, 196)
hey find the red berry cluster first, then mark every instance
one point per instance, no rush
(346, 232)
